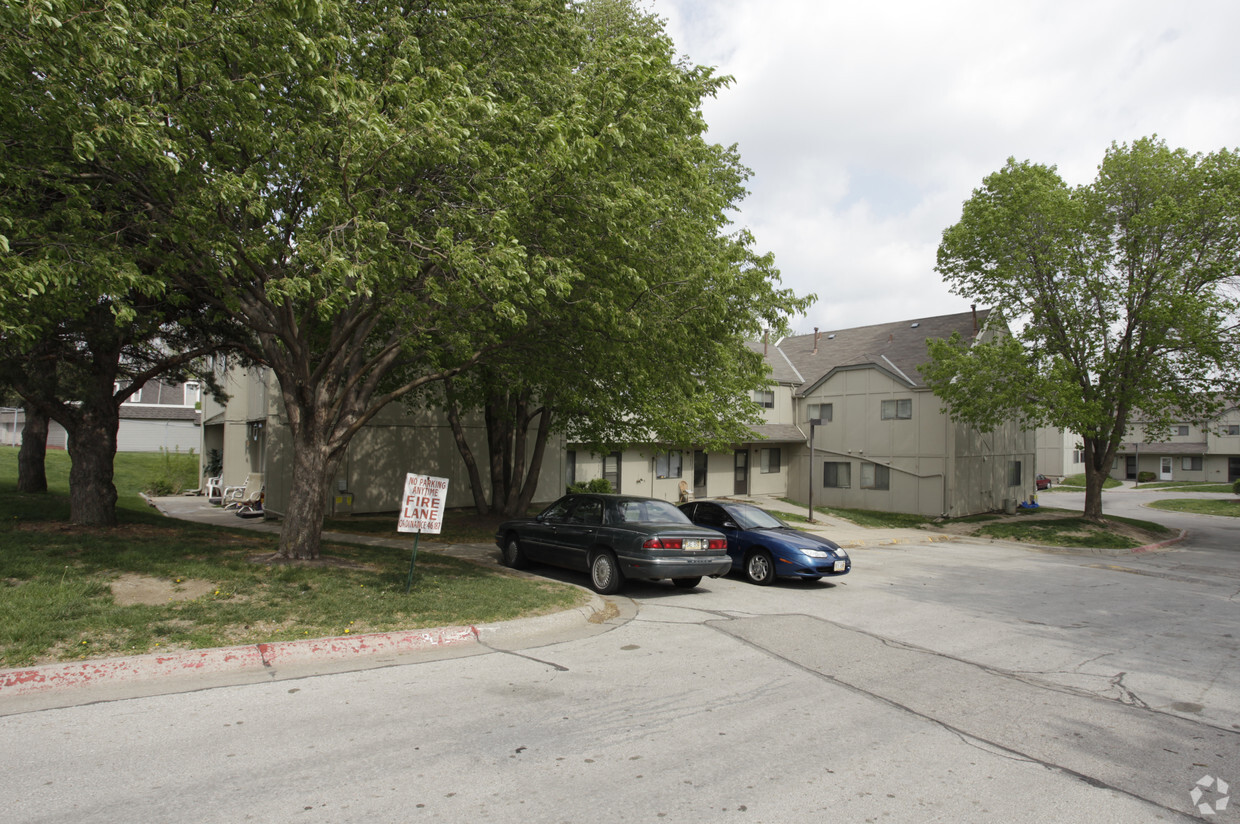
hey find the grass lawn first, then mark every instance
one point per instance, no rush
(1078, 480)
(154, 584)
(1074, 531)
(860, 517)
(1201, 506)
(1187, 486)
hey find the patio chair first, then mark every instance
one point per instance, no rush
(215, 490)
(252, 508)
(236, 496)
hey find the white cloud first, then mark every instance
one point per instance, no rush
(868, 125)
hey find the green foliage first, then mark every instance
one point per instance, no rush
(1236, 487)
(1120, 294)
(600, 485)
(1144, 476)
(177, 473)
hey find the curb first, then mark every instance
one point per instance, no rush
(259, 657)
(104, 671)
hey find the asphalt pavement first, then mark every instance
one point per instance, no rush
(100, 679)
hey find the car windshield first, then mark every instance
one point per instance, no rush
(751, 517)
(634, 510)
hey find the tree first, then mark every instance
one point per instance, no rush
(333, 175)
(648, 342)
(1122, 292)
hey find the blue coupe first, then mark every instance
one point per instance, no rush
(763, 547)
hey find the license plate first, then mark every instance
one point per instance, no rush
(696, 544)
(839, 566)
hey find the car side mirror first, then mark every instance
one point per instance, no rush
(729, 525)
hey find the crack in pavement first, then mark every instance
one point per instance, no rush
(1100, 740)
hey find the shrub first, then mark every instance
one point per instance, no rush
(597, 485)
(1145, 477)
(175, 475)
(1236, 487)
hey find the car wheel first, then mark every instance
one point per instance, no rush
(513, 554)
(605, 575)
(759, 567)
(687, 583)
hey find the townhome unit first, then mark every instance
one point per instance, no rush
(160, 415)
(1188, 452)
(881, 439)
(250, 434)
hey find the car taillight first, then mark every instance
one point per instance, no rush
(663, 543)
(718, 543)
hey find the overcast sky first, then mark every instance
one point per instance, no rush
(867, 125)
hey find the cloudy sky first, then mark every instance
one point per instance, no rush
(867, 125)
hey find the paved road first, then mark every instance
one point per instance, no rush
(954, 682)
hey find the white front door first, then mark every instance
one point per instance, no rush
(1164, 469)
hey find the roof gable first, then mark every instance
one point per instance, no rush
(896, 348)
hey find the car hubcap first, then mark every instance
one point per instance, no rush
(511, 554)
(602, 571)
(757, 567)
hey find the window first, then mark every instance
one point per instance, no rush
(1013, 473)
(587, 511)
(1078, 456)
(770, 460)
(764, 398)
(1232, 429)
(836, 474)
(1192, 464)
(570, 467)
(875, 476)
(901, 409)
(820, 412)
(1180, 429)
(192, 395)
(668, 465)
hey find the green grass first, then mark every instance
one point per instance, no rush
(56, 581)
(1201, 506)
(1079, 480)
(862, 517)
(1188, 486)
(1075, 531)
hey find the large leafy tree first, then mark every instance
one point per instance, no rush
(86, 316)
(347, 180)
(1121, 291)
(647, 342)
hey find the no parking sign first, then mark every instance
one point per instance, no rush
(422, 505)
(421, 510)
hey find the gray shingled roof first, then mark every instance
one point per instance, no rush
(782, 370)
(778, 433)
(897, 348)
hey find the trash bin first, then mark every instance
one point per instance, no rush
(1009, 506)
(342, 504)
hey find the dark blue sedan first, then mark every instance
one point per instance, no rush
(763, 547)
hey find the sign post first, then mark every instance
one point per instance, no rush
(421, 510)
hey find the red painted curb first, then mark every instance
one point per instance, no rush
(257, 656)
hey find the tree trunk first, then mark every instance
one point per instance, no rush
(92, 450)
(32, 458)
(530, 485)
(467, 454)
(1098, 460)
(315, 464)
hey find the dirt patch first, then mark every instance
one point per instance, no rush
(131, 589)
